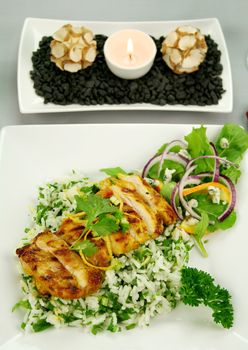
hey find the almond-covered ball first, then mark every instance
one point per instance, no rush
(73, 48)
(184, 49)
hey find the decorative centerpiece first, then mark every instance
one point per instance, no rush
(74, 66)
(73, 48)
(184, 49)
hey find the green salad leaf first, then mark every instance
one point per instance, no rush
(113, 171)
(169, 164)
(213, 210)
(198, 287)
(236, 139)
(167, 190)
(200, 231)
(198, 145)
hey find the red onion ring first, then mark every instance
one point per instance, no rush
(232, 203)
(170, 156)
(212, 157)
(148, 165)
(229, 184)
(181, 186)
(173, 202)
(170, 145)
(216, 164)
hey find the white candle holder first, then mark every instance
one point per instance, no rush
(129, 53)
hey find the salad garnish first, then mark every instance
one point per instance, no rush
(207, 175)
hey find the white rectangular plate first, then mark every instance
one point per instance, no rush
(32, 155)
(34, 29)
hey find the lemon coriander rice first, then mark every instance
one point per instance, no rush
(144, 282)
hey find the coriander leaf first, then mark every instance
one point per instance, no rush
(90, 189)
(105, 226)
(94, 206)
(113, 171)
(86, 246)
(237, 138)
(22, 303)
(124, 226)
(197, 287)
(198, 145)
(41, 325)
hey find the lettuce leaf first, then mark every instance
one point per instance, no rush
(198, 145)
(213, 210)
(169, 164)
(237, 138)
(238, 142)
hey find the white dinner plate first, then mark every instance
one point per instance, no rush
(34, 29)
(32, 155)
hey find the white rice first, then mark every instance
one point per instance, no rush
(145, 284)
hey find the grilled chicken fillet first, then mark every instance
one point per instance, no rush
(57, 270)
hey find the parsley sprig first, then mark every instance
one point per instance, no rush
(198, 288)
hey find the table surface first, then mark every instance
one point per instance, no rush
(231, 14)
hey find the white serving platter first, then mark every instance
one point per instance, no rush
(33, 155)
(34, 29)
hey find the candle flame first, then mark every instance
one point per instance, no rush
(130, 48)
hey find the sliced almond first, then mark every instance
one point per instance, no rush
(88, 37)
(75, 53)
(86, 64)
(181, 70)
(187, 30)
(57, 49)
(168, 62)
(193, 60)
(175, 56)
(186, 42)
(72, 67)
(58, 62)
(62, 34)
(82, 43)
(171, 39)
(90, 55)
(77, 31)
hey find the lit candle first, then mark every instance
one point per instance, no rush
(129, 53)
(130, 48)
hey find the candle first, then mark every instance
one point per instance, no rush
(129, 53)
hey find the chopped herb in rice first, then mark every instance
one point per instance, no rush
(144, 283)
